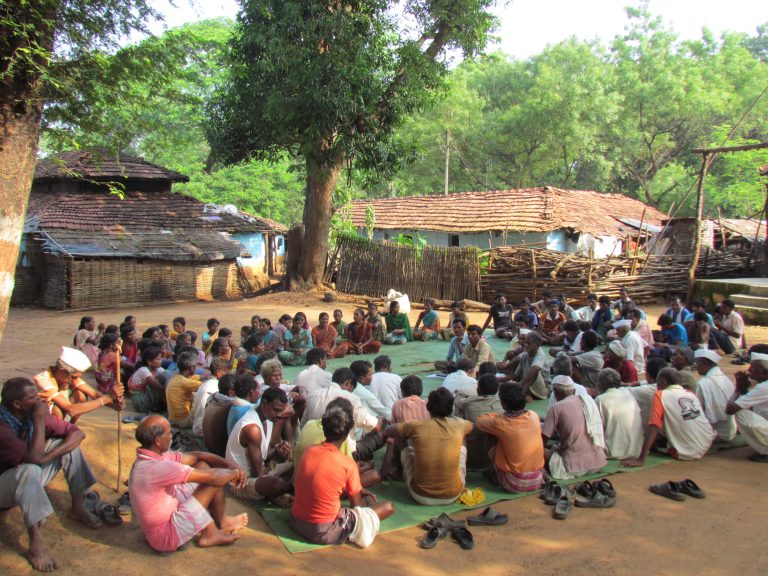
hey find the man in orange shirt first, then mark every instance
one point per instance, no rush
(324, 474)
(518, 456)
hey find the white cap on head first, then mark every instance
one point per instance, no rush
(562, 383)
(618, 348)
(524, 331)
(620, 323)
(74, 359)
(758, 356)
(708, 354)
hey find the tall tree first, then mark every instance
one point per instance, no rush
(32, 35)
(330, 80)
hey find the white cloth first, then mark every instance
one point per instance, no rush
(756, 399)
(459, 380)
(236, 452)
(685, 425)
(622, 423)
(579, 390)
(713, 390)
(372, 403)
(754, 429)
(708, 354)
(635, 350)
(585, 313)
(366, 528)
(386, 387)
(312, 378)
(318, 401)
(593, 420)
(643, 395)
(199, 401)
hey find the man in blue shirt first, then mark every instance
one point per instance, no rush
(676, 310)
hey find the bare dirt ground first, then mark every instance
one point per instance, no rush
(722, 534)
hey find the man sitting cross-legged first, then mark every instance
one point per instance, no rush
(177, 495)
(251, 445)
(434, 460)
(323, 476)
(34, 446)
(750, 405)
(517, 459)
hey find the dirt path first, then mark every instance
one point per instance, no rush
(643, 533)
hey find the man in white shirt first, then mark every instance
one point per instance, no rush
(363, 371)
(622, 419)
(219, 367)
(585, 313)
(385, 385)
(463, 378)
(713, 390)
(750, 406)
(633, 343)
(729, 327)
(315, 376)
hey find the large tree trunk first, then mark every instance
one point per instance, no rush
(20, 116)
(321, 181)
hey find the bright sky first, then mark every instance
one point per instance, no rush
(527, 26)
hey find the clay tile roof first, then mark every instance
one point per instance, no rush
(539, 209)
(93, 210)
(99, 164)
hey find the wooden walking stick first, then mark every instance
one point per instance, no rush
(119, 352)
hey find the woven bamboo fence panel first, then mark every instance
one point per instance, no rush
(525, 272)
(104, 283)
(367, 267)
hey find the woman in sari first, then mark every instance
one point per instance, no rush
(213, 333)
(398, 326)
(268, 337)
(324, 336)
(430, 322)
(297, 341)
(87, 338)
(339, 325)
(107, 364)
(359, 334)
(147, 391)
(377, 323)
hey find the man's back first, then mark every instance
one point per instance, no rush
(622, 422)
(567, 422)
(386, 387)
(179, 394)
(312, 378)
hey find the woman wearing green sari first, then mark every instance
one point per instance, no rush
(398, 326)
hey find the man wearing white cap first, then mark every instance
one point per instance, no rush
(713, 391)
(616, 358)
(750, 406)
(579, 429)
(66, 394)
(633, 343)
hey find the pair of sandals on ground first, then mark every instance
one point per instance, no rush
(440, 526)
(598, 494)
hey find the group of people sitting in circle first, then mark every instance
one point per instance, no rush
(614, 388)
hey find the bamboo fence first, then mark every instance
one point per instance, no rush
(360, 266)
(523, 272)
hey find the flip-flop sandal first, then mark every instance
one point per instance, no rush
(91, 502)
(555, 494)
(546, 489)
(762, 458)
(435, 534)
(463, 537)
(562, 508)
(488, 517)
(109, 514)
(690, 487)
(443, 521)
(604, 486)
(585, 489)
(590, 497)
(669, 490)
(124, 504)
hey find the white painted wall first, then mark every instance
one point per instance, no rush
(482, 240)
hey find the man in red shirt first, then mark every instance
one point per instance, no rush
(34, 446)
(323, 476)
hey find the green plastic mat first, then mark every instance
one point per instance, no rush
(408, 513)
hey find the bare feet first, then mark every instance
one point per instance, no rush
(215, 537)
(38, 554)
(282, 501)
(83, 516)
(234, 523)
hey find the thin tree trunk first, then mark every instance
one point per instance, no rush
(321, 181)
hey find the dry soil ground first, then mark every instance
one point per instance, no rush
(722, 534)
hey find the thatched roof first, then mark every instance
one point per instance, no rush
(101, 165)
(541, 209)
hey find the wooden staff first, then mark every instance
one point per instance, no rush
(119, 352)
